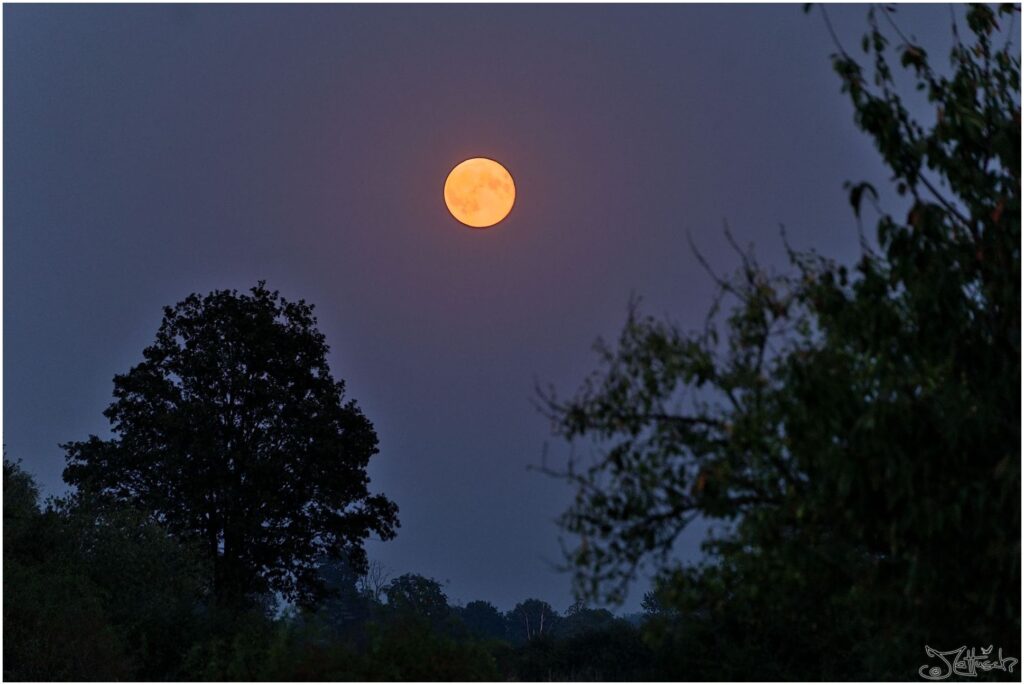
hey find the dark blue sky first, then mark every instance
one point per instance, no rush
(154, 151)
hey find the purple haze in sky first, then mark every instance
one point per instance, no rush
(153, 151)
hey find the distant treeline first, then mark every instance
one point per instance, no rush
(106, 595)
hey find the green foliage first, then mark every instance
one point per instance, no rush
(239, 647)
(55, 626)
(94, 590)
(91, 592)
(856, 431)
(233, 434)
(151, 585)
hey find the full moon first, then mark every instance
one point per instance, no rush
(479, 192)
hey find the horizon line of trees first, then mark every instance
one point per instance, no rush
(109, 595)
(856, 428)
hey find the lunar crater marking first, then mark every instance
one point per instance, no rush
(479, 192)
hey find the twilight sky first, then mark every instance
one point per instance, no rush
(153, 151)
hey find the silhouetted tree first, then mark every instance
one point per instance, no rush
(483, 620)
(151, 583)
(233, 434)
(372, 582)
(92, 592)
(650, 603)
(850, 425)
(530, 620)
(586, 644)
(416, 595)
(344, 608)
(580, 619)
(55, 624)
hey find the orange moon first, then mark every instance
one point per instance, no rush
(479, 192)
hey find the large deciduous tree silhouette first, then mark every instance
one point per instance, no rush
(233, 434)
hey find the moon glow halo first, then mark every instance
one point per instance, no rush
(479, 192)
